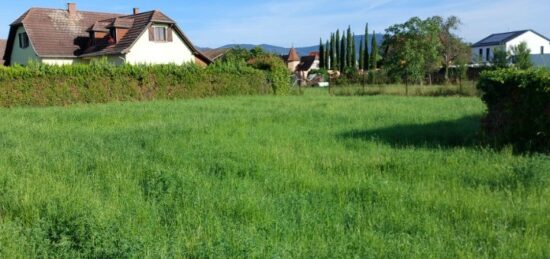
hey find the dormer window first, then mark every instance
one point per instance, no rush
(23, 40)
(160, 33)
(112, 33)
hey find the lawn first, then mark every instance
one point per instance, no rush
(268, 177)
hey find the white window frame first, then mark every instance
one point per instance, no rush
(155, 38)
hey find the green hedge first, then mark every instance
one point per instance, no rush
(518, 104)
(42, 85)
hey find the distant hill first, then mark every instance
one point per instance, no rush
(302, 51)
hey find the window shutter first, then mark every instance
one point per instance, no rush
(169, 34)
(151, 34)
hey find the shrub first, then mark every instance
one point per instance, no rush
(277, 72)
(518, 104)
(100, 82)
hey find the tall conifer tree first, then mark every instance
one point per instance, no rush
(353, 52)
(374, 52)
(332, 52)
(337, 50)
(321, 54)
(327, 57)
(365, 56)
(349, 48)
(343, 54)
(362, 54)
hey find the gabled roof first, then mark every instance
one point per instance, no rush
(214, 54)
(2, 49)
(502, 38)
(306, 63)
(56, 33)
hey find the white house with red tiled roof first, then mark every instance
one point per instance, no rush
(62, 37)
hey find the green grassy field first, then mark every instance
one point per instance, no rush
(268, 177)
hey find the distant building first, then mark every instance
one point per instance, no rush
(215, 54)
(301, 66)
(483, 51)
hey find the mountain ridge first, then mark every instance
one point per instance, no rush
(302, 51)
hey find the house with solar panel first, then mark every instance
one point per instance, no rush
(483, 51)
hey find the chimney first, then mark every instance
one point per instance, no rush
(71, 7)
(136, 10)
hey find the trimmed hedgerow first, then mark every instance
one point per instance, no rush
(43, 85)
(518, 104)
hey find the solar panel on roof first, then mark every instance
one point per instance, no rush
(498, 37)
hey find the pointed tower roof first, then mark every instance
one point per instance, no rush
(293, 55)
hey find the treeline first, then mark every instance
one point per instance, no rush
(340, 52)
(101, 82)
(410, 53)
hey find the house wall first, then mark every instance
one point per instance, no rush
(23, 56)
(59, 61)
(534, 42)
(150, 52)
(483, 59)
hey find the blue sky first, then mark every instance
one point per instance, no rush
(212, 23)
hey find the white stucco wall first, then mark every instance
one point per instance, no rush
(534, 42)
(475, 53)
(59, 61)
(149, 52)
(23, 56)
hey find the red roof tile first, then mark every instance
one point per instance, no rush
(56, 33)
(293, 55)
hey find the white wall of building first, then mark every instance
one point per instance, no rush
(23, 56)
(59, 61)
(534, 43)
(476, 58)
(150, 52)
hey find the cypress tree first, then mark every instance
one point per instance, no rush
(361, 54)
(321, 54)
(374, 51)
(349, 49)
(343, 54)
(353, 53)
(337, 50)
(327, 58)
(365, 56)
(331, 51)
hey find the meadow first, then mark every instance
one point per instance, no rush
(279, 177)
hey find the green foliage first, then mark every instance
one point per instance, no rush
(276, 71)
(521, 56)
(518, 108)
(366, 56)
(412, 49)
(100, 82)
(321, 54)
(373, 59)
(500, 58)
(266, 177)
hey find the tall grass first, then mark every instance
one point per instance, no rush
(467, 89)
(298, 176)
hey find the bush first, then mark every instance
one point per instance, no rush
(277, 72)
(518, 104)
(100, 82)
